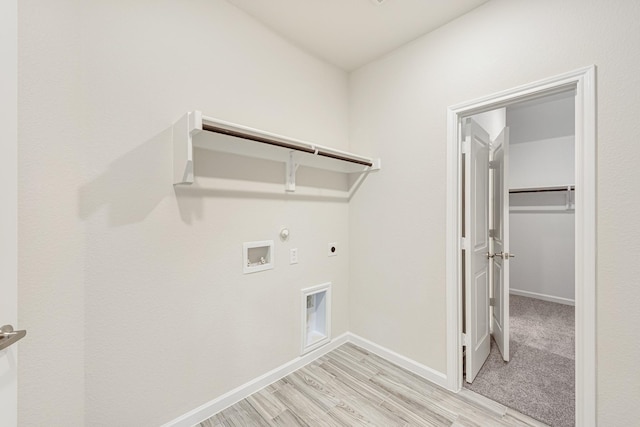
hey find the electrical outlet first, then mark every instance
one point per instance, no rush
(333, 249)
(293, 256)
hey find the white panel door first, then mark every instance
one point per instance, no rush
(500, 241)
(8, 205)
(478, 337)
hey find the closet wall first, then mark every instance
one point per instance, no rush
(542, 223)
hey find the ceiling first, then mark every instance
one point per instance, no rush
(351, 33)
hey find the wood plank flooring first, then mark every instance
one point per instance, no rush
(352, 387)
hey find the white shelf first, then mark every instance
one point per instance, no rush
(196, 130)
(568, 187)
(535, 209)
(553, 198)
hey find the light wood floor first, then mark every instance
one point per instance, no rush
(351, 387)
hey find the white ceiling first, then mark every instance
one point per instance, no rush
(350, 33)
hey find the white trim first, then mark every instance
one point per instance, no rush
(453, 247)
(544, 297)
(410, 365)
(9, 206)
(586, 249)
(583, 80)
(211, 408)
(218, 404)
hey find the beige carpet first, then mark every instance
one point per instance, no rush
(539, 380)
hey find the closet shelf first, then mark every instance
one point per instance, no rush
(195, 130)
(534, 209)
(567, 204)
(542, 189)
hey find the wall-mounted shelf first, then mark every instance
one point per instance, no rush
(546, 189)
(196, 130)
(542, 199)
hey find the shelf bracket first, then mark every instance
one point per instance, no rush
(183, 131)
(291, 169)
(568, 198)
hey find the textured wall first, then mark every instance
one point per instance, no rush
(144, 280)
(398, 110)
(121, 263)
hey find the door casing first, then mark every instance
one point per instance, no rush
(9, 205)
(583, 81)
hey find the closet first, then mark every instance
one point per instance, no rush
(541, 198)
(524, 287)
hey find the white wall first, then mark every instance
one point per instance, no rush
(544, 244)
(132, 291)
(398, 110)
(541, 138)
(544, 241)
(544, 163)
(107, 245)
(551, 116)
(51, 288)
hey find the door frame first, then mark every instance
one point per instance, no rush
(9, 205)
(583, 80)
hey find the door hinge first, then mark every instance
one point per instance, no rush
(465, 146)
(492, 232)
(493, 164)
(492, 302)
(464, 339)
(463, 243)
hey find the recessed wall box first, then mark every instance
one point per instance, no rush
(316, 316)
(257, 256)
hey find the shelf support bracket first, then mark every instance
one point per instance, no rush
(182, 133)
(291, 169)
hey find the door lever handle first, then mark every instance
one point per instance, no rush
(8, 336)
(505, 255)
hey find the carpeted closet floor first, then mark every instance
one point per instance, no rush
(539, 380)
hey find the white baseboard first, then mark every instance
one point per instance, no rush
(544, 297)
(211, 408)
(404, 362)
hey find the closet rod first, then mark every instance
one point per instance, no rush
(319, 151)
(541, 190)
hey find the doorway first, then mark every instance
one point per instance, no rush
(529, 360)
(582, 81)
